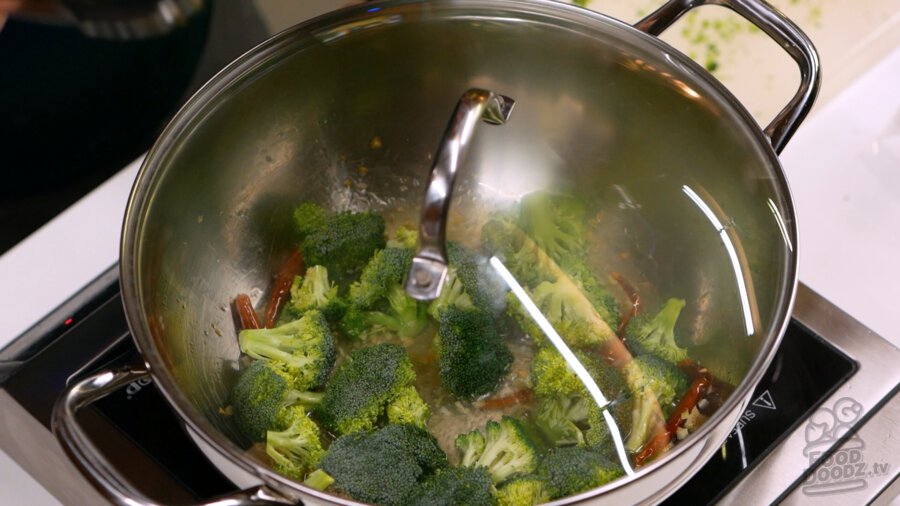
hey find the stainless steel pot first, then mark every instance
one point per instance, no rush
(690, 189)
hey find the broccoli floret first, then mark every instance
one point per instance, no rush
(313, 290)
(567, 413)
(569, 310)
(471, 281)
(308, 218)
(305, 347)
(516, 311)
(260, 398)
(646, 414)
(558, 419)
(345, 242)
(385, 270)
(364, 386)
(378, 302)
(470, 446)
(452, 294)
(570, 313)
(473, 357)
(404, 238)
(666, 380)
(297, 448)
(456, 485)
(318, 480)
(597, 434)
(384, 466)
(570, 470)
(561, 298)
(408, 407)
(480, 281)
(551, 375)
(508, 449)
(402, 315)
(527, 490)
(556, 223)
(656, 334)
(520, 254)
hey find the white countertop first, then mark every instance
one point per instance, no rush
(843, 166)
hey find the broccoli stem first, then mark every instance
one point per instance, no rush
(261, 350)
(308, 399)
(647, 416)
(567, 285)
(319, 480)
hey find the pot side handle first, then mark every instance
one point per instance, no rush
(85, 455)
(781, 30)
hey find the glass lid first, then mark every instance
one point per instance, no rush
(619, 254)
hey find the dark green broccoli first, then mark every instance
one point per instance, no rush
(318, 480)
(260, 398)
(384, 466)
(509, 449)
(455, 485)
(472, 356)
(378, 302)
(344, 242)
(305, 347)
(365, 386)
(313, 290)
(570, 470)
(655, 334)
(297, 448)
(527, 490)
(308, 218)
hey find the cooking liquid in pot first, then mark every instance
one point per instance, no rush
(634, 293)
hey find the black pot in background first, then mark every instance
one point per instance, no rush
(75, 110)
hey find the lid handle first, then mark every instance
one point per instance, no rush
(429, 266)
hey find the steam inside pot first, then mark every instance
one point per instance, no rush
(535, 375)
(632, 202)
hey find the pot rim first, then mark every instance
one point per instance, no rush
(199, 104)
